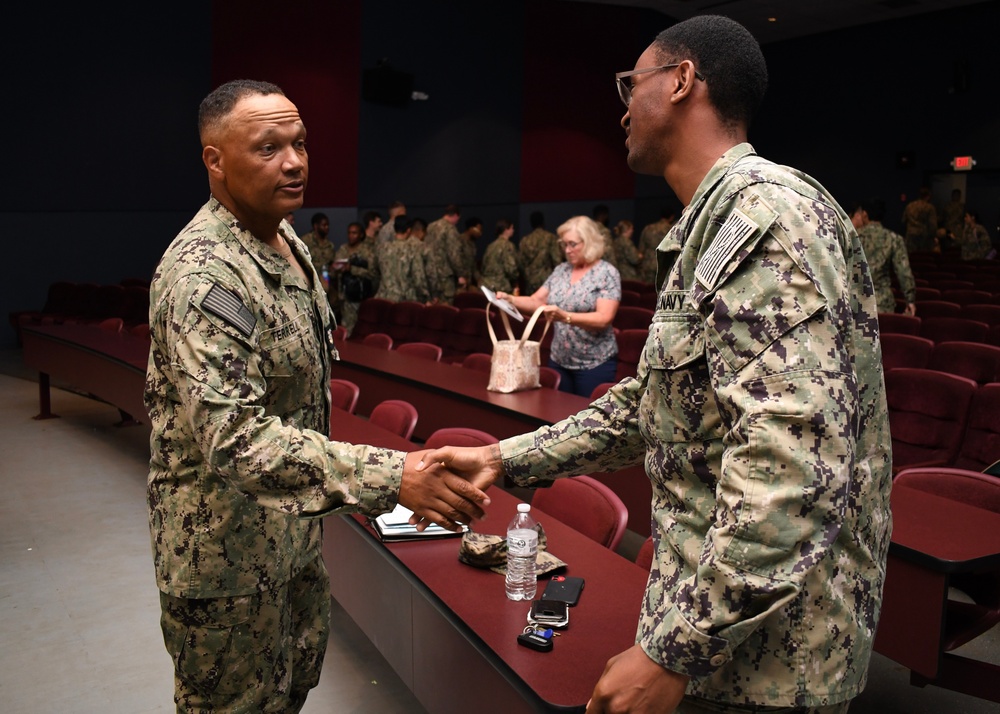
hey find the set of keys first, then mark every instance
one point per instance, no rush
(540, 640)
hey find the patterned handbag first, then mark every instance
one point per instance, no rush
(515, 362)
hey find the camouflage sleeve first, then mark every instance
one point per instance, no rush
(421, 285)
(603, 437)
(782, 377)
(901, 266)
(453, 252)
(220, 374)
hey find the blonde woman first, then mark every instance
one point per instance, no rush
(581, 298)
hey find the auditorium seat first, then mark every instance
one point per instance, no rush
(976, 360)
(470, 298)
(631, 343)
(435, 324)
(981, 443)
(421, 350)
(401, 321)
(469, 333)
(549, 377)
(928, 411)
(459, 436)
(631, 318)
(983, 312)
(963, 620)
(480, 361)
(937, 308)
(378, 339)
(898, 323)
(395, 415)
(644, 558)
(943, 284)
(601, 389)
(953, 329)
(586, 505)
(966, 296)
(343, 395)
(926, 293)
(372, 314)
(901, 350)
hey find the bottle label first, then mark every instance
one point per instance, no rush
(522, 542)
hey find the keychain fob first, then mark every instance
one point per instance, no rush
(534, 641)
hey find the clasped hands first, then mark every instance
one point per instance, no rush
(447, 486)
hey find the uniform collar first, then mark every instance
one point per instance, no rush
(266, 257)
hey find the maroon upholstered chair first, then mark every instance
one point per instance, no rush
(966, 296)
(954, 329)
(421, 350)
(926, 293)
(459, 436)
(586, 505)
(928, 411)
(401, 321)
(632, 298)
(631, 343)
(470, 298)
(898, 323)
(644, 558)
(395, 415)
(601, 389)
(630, 318)
(479, 361)
(378, 339)
(469, 332)
(372, 315)
(943, 284)
(981, 443)
(549, 377)
(434, 324)
(975, 360)
(983, 312)
(901, 350)
(343, 395)
(339, 333)
(963, 621)
(937, 308)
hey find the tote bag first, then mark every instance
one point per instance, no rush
(515, 362)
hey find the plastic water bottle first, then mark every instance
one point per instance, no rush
(522, 549)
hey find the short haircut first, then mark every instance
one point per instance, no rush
(729, 58)
(419, 223)
(370, 217)
(472, 222)
(452, 210)
(623, 226)
(220, 102)
(318, 217)
(587, 230)
(355, 224)
(502, 225)
(401, 224)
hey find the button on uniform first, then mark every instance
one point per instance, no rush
(717, 660)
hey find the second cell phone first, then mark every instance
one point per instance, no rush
(563, 589)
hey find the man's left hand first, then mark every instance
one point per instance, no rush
(437, 495)
(634, 683)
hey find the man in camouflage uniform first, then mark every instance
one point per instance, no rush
(241, 465)
(538, 254)
(361, 264)
(500, 260)
(601, 218)
(446, 256)
(759, 410)
(321, 249)
(920, 222)
(649, 239)
(885, 251)
(402, 264)
(625, 251)
(469, 247)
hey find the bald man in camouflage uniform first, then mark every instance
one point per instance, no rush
(759, 411)
(237, 389)
(885, 251)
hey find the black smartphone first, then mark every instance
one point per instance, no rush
(563, 588)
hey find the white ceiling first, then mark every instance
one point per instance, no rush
(795, 18)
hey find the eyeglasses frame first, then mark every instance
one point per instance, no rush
(625, 90)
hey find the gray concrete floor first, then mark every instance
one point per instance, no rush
(78, 602)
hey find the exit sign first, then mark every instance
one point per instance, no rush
(963, 163)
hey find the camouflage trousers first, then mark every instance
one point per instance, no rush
(249, 653)
(349, 315)
(696, 705)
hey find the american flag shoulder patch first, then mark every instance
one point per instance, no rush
(733, 234)
(226, 305)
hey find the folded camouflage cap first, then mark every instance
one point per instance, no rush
(490, 551)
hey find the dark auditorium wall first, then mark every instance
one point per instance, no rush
(522, 113)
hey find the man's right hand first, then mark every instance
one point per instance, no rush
(436, 494)
(479, 467)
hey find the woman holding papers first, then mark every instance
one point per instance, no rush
(581, 298)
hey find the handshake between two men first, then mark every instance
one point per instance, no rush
(447, 486)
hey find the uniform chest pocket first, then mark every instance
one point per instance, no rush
(289, 348)
(677, 405)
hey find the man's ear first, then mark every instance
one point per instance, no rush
(684, 82)
(212, 158)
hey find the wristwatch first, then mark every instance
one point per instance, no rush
(569, 319)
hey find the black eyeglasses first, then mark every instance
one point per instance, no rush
(625, 89)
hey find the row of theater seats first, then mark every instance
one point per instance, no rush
(969, 323)
(461, 331)
(88, 303)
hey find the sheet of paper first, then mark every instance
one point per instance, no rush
(502, 304)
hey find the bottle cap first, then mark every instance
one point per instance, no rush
(523, 507)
